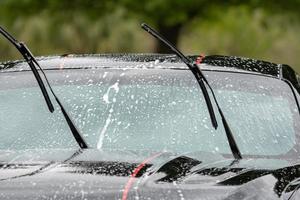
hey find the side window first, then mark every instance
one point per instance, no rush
(298, 80)
(298, 86)
(296, 92)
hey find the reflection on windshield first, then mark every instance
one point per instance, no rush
(152, 110)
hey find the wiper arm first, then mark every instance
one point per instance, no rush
(32, 63)
(201, 81)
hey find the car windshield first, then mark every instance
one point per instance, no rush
(149, 109)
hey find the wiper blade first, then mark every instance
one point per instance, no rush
(28, 57)
(201, 81)
(193, 68)
(32, 64)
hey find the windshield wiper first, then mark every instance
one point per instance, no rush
(194, 69)
(32, 64)
(201, 81)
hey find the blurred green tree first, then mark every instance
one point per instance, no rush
(171, 16)
(168, 16)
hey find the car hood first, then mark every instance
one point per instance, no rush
(77, 174)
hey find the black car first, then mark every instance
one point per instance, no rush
(140, 127)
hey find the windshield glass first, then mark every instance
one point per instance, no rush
(149, 109)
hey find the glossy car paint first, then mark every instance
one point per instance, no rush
(103, 175)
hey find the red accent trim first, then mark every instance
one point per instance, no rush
(200, 59)
(134, 173)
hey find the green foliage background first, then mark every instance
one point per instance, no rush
(266, 30)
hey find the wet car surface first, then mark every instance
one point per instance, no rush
(148, 130)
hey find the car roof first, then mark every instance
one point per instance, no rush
(231, 63)
(211, 62)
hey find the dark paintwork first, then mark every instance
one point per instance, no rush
(103, 175)
(93, 174)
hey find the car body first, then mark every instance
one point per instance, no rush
(148, 129)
